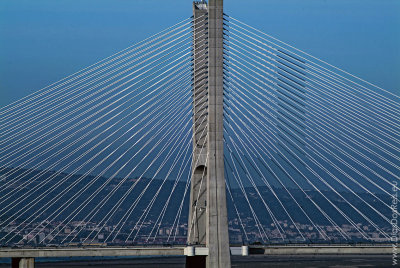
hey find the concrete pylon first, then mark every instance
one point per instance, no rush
(217, 216)
(198, 190)
(22, 262)
(208, 213)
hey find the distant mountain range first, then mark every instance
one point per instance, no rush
(261, 201)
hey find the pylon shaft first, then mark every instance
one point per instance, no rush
(198, 188)
(208, 220)
(217, 218)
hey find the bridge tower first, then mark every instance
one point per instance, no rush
(208, 220)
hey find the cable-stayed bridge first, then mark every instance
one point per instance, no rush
(208, 134)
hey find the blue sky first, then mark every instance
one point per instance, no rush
(42, 41)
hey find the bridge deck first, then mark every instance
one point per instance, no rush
(83, 252)
(176, 251)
